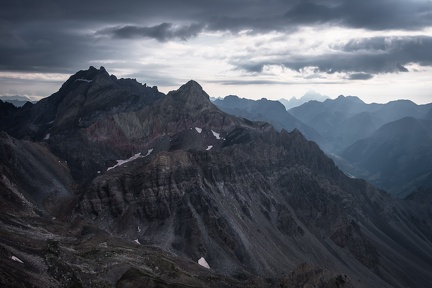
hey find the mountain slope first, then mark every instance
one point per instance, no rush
(269, 111)
(397, 157)
(158, 182)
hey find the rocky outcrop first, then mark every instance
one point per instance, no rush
(306, 275)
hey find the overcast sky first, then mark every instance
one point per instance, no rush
(379, 50)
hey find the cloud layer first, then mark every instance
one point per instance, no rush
(367, 56)
(246, 36)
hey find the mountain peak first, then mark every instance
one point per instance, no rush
(349, 98)
(192, 96)
(192, 83)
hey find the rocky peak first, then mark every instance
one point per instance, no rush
(84, 76)
(192, 97)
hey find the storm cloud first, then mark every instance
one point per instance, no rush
(63, 26)
(162, 32)
(368, 56)
(388, 36)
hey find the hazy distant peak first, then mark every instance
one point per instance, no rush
(17, 101)
(402, 102)
(313, 95)
(15, 97)
(349, 98)
(308, 96)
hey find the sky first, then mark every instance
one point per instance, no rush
(378, 50)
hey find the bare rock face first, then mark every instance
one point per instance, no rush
(306, 275)
(31, 176)
(142, 185)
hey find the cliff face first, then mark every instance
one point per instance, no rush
(174, 172)
(243, 206)
(31, 177)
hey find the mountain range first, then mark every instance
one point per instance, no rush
(396, 135)
(109, 182)
(265, 110)
(398, 155)
(352, 133)
(17, 101)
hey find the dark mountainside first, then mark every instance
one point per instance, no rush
(269, 111)
(111, 183)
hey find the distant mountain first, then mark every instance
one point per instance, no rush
(397, 157)
(110, 183)
(344, 120)
(429, 114)
(309, 96)
(269, 111)
(18, 101)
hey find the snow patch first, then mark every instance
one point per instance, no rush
(203, 263)
(121, 162)
(139, 229)
(148, 152)
(47, 136)
(134, 157)
(199, 130)
(209, 147)
(17, 259)
(136, 241)
(217, 135)
(83, 80)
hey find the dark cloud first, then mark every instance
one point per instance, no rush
(224, 14)
(360, 76)
(368, 56)
(401, 68)
(162, 32)
(267, 82)
(372, 15)
(53, 35)
(52, 51)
